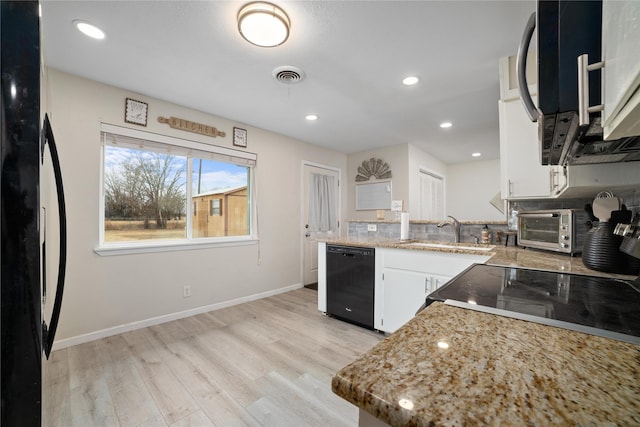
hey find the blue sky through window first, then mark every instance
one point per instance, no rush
(214, 175)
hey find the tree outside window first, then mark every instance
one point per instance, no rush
(145, 194)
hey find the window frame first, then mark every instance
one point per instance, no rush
(191, 149)
(212, 209)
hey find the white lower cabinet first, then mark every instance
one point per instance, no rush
(404, 291)
(405, 277)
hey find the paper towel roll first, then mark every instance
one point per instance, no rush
(404, 226)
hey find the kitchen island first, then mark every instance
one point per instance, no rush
(452, 366)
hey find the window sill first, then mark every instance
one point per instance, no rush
(168, 246)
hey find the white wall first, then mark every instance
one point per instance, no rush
(396, 157)
(470, 186)
(105, 292)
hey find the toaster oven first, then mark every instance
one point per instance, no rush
(558, 230)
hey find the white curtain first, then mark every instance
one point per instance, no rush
(322, 203)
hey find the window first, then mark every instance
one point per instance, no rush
(158, 189)
(215, 207)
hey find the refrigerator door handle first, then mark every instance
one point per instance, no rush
(44, 256)
(49, 333)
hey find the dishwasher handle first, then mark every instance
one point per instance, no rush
(349, 251)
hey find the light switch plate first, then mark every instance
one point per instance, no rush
(396, 205)
(372, 227)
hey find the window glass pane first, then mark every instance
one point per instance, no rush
(144, 195)
(215, 207)
(220, 191)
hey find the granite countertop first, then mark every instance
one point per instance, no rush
(510, 256)
(428, 221)
(462, 248)
(495, 371)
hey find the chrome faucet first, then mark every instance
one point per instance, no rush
(455, 224)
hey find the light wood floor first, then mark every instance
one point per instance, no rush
(262, 363)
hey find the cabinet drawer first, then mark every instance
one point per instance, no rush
(447, 264)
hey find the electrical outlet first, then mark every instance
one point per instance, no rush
(397, 205)
(372, 227)
(186, 291)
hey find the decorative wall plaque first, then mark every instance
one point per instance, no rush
(377, 168)
(239, 137)
(135, 112)
(190, 126)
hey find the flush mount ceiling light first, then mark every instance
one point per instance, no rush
(89, 29)
(445, 125)
(311, 117)
(410, 81)
(476, 154)
(263, 24)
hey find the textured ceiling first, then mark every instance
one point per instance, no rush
(354, 53)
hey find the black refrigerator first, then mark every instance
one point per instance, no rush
(27, 149)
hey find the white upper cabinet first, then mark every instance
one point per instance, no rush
(522, 174)
(621, 73)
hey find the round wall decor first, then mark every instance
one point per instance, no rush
(377, 168)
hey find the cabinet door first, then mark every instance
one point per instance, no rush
(522, 174)
(404, 292)
(438, 281)
(621, 75)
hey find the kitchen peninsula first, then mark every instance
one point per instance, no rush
(453, 366)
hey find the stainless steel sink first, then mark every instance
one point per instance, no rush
(469, 247)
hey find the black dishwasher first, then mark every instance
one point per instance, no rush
(350, 284)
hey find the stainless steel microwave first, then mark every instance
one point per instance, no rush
(558, 230)
(567, 29)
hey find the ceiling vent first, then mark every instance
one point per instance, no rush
(288, 75)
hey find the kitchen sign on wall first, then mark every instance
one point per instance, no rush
(190, 126)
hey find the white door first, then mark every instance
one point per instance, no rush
(431, 195)
(320, 214)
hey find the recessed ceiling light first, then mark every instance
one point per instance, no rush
(311, 117)
(410, 81)
(263, 24)
(445, 125)
(476, 154)
(89, 30)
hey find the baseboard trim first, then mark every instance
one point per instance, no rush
(81, 339)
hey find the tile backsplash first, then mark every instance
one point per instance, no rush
(424, 231)
(630, 198)
(470, 230)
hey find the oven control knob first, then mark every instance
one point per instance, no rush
(564, 237)
(564, 245)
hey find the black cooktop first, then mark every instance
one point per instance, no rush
(601, 306)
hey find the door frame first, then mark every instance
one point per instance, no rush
(303, 220)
